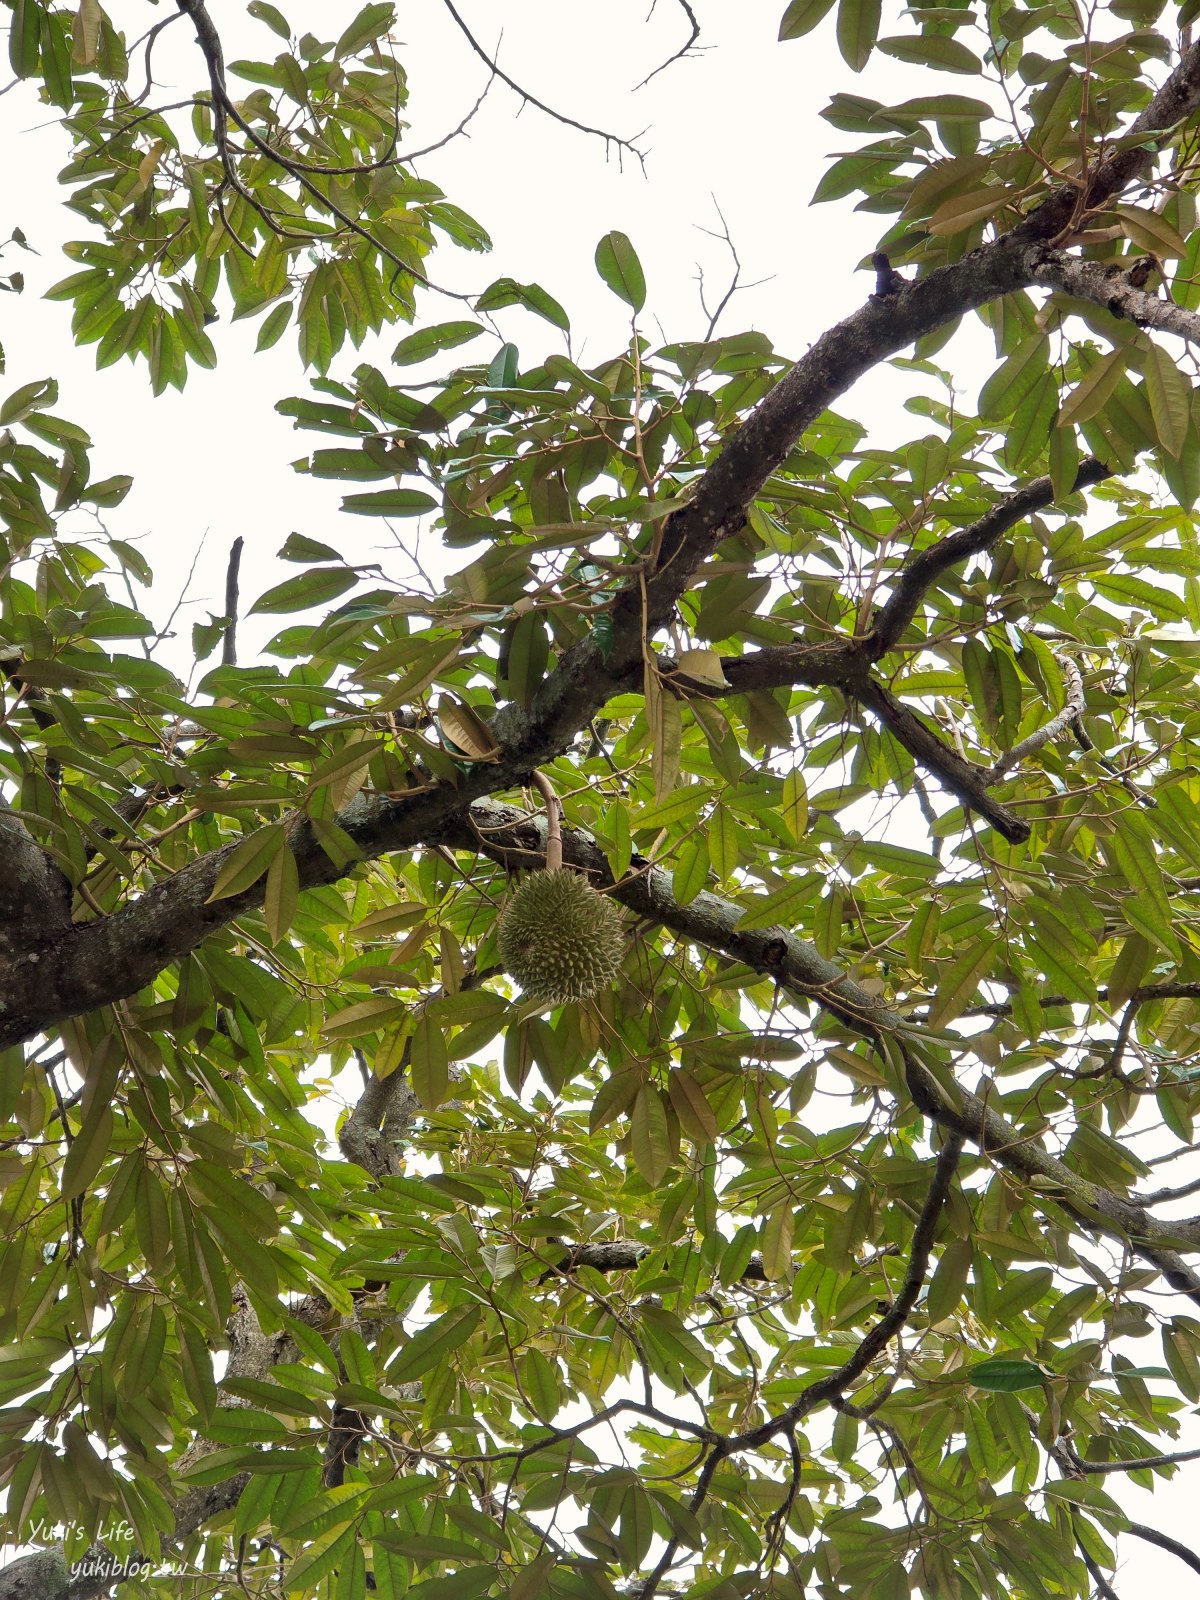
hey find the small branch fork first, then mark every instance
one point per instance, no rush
(845, 663)
(827, 1390)
(225, 112)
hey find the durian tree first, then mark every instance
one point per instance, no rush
(835, 1236)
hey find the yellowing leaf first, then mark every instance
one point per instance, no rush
(85, 32)
(464, 732)
(702, 666)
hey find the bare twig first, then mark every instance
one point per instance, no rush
(229, 647)
(684, 50)
(610, 139)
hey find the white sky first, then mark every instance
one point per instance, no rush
(738, 124)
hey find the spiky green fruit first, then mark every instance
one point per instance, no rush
(559, 939)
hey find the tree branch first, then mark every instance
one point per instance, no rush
(229, 644)
(35, 898)
(1096, 281)
(920, 573)
(828, 1389)
(513, 839)
(966, 781)
(1071, 712)
(1165, 1542)
(532, 100)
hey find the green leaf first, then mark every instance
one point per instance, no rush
(271, 15)
(933, 50)
(88, 1150)
(963, 211)
(1092, 392)
(692, 1107)
(431, 1346)
(370, 23)
(1151, 230)
(429, 1063)
(25, 37)
(619, 267)
(802, 16)
(1146, 907)
(649, 1142)
(691, 869)
(528, 657)
(961, 980)
(274, 326)
(428, 342)
(857, 31)
(1014, 378)
(1170, 398)
(390, 503)
(795, 804)
(315, 587)
(508, 292)
(778, 1230)
(1006, 1375)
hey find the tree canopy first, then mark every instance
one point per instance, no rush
(840, 1244)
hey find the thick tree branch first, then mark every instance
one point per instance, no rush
(879, 329)
(35, 898)
(966, 781)
(1096, 281)
(623, 1255)
(515, 839)
(96, 963)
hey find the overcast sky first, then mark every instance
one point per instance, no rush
(737, 126)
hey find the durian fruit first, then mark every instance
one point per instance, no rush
(559, 939)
